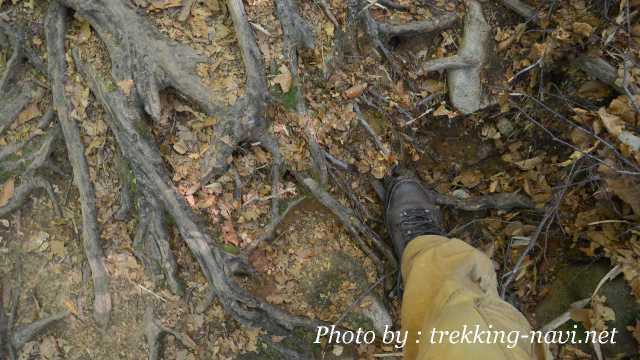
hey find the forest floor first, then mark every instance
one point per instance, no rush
(553, 132)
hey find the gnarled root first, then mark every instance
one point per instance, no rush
(151, 243)
(139, 52)
(55, 29)
(465, 69)
(128, 127)
(504, 202)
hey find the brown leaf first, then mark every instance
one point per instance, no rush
(7, 191)
(355, 90)
(229, 233)
(529, 164)
(284, 79)
(30, 112)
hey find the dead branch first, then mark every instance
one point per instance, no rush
(464, 70)
(154, 331)
(143, 156)
(550, 212)
(504, 202)
(55, 29)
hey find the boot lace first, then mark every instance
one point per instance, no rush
(416, 222)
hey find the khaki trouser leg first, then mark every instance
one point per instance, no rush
(450, 284)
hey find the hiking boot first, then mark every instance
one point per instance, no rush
(410, 211)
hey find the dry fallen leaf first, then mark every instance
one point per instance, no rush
(229, 233)
(164, 4)
(30, 112)
(126, 86)
(7, 191)
(355, 90)
(284, 79)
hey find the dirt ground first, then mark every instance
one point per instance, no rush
(313, 267)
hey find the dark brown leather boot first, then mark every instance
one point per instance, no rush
(410, 211)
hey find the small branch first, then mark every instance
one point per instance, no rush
(547, 219)
(370, 131)
(270, 230)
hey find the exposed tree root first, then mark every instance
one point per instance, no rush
(26, 169)
(15, 100)
(154, 331)
(351, 222)
(504, 202)
(126, 196)
(139, 52)
(603, 71)
(12, 338)
(130, 132)
(521, 8)
(465, 70)
(270, 230)
(298, 34)
(55, 29)
(151, 244)
(15, 37)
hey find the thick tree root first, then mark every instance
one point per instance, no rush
(55, 29)
(154, 331)
(151, 243)
(526, 11)
(127, 125)
(465, 69)
(15, 100)
(245, 121)
(297, 35)
(504, 202)
(139, 52)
